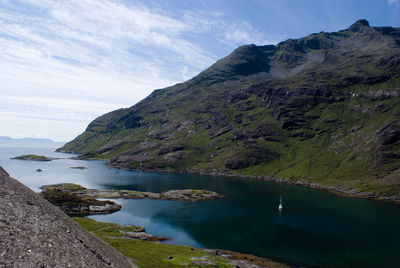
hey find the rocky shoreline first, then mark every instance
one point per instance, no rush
(333, 189)
(354, 193)
(73, 204)
(75, 199)
(189, 195)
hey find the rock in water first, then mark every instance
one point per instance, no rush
(75, 197)
(34, 233)
(33, 157)
(68, 198)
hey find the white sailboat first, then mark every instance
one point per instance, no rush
(280, 207)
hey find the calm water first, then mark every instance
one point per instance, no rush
(315, 227)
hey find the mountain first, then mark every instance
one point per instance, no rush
(322, 109)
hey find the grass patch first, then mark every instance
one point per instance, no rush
(146, 253)
(92, 225)
(200, 192)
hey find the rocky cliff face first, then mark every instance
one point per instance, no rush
(34, 233)
(323, 108)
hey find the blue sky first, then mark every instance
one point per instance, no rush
(63, 63)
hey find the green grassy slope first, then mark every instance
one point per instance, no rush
(147, 253)
(155, 254)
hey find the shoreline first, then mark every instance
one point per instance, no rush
(353, 193)
(203, 257)
(336, 190)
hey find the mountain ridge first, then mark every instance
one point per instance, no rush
(322, 109)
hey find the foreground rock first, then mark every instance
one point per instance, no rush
(189, 195)
(33, 157)
(74, 204)
(34, 233)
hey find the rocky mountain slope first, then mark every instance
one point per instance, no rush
(35, 233)
(322, 109)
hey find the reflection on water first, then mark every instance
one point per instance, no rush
(146, 213)
(314, 227)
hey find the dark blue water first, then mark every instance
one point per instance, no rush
(314, 228)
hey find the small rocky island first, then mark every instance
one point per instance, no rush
(67, 198)
(79, 167)
(75, 199)
(33, 157)
(189, 195)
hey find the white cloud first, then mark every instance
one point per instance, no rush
(89, 50)
(393, 2)
(243, 33)
(75, 60)
(229, 33)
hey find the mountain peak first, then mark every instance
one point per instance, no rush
(329, 103)
(358, 25)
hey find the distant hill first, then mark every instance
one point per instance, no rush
(5, 138)
(322, 109)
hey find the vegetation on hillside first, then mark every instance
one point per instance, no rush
(323, 109)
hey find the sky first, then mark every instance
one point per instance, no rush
(64, 63)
